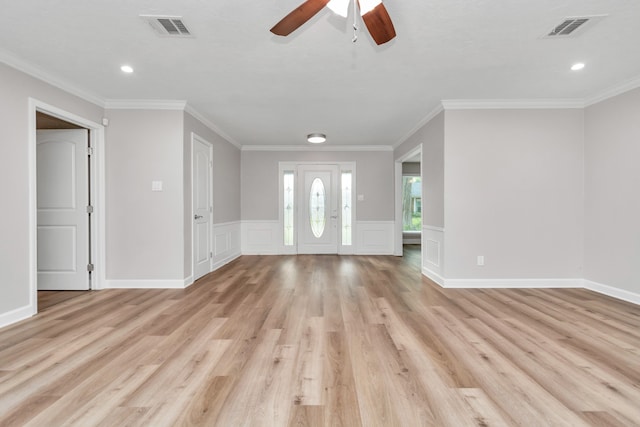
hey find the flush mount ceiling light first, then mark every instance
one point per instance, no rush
(577, 66)
(126, 69)
(316, 138)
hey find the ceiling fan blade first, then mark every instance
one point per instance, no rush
(379, 24)
(298, 16)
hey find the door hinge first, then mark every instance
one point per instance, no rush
(211, 255)
(89, 267)
(210, 209)
(89, 209)
(90, 151)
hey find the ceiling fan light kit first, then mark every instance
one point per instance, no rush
(374, 14)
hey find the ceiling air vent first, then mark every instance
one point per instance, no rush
(571, 27)
(168, 26)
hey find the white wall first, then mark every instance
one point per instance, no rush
(145, 229)
(16, 88)
(612, 189)
(514, 194)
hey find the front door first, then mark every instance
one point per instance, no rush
(318, 209)
(202, 207)
(63, 218)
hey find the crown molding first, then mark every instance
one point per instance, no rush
(13, 61)
(144, 104)
(439, 109)
(616, 90)
(510, 104)
(208, 123)
(319, 148)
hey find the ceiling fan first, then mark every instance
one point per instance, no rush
(373, 12)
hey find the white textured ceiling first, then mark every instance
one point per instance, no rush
(263, 89)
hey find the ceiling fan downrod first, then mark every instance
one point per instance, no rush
(355, 24)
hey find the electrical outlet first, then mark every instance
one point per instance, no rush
(480, 259)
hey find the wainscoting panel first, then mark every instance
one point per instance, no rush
(226, 243)
(374, 237)
(433, 253)
(260, 237)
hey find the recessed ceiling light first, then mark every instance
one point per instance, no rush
(577, 66)
(316, 138)
(126, 69)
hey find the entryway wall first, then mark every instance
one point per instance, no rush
(373, 227)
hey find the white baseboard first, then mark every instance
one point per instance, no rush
(16, 315)
(512, 283)
(225, 261)
(433, 276)
(188, 281)
(146, 284)
(618, 293)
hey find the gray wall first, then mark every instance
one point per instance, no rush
(145, 232)
(15, 89)
(226, 181)
(514, 193)
(374, 180)
(612, 192)
(432, 138)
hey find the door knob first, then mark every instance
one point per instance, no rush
(197, 216)
(334, 217)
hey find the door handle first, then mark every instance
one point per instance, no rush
(197, 216)
(334, 217)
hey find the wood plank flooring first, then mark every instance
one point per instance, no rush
(323, 341)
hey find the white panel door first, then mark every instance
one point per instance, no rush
(63, 221)
(318, 209)
(202, 206)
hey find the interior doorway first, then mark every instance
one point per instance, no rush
(66, 198)
(408, 202)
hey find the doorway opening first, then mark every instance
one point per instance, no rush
(409, 216)
(66, 195)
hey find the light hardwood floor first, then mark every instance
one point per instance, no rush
(323, 340)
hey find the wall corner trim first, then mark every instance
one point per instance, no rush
(426, 119)
(511, 104)
(208, 123)
(145, 104)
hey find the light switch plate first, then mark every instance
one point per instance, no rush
(156, 185)
(361, 197)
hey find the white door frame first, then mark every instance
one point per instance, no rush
(195, 137)
(398, 197)
(97, 178)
